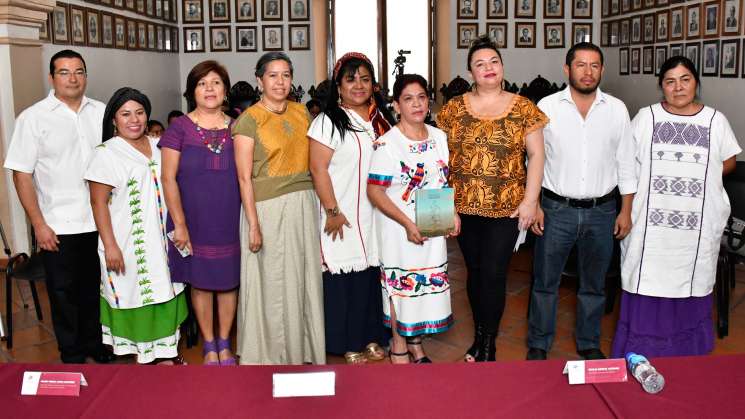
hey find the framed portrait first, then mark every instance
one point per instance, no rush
(731, 17)
(468, 9)
(615, 7)
(131, 34)
(498, 33)
(271, 38)
(467, 32)
(93, 24)
(649, 28)
(129, 5)
(648, 4)
(614, 38)
(636, 5)
(647, 60)
(636, 56)
(175, 39)
(625, 6)
(636, 30)
(271, 10)
(730, 58)
(710, 58)
(220, 38)
(497, 9)
(192, 11)
(159, 13)
(605, 8)
(693, 21)
(553, 35)
(119, 4)
(604, 33)
(711, 19)
(166, 14)
(44, 29)
(299, 37)
(525, 34)
(662, 33)
(553, 9)
(677, 23)
(167, 39)
(245, 39)
(524, 9)
(120, 32)
(623, 61)
(661, 3)
(193, 39)
(77, 25)
(159, 39)
(245, 10)
(219, 11)
(298, 10)
(693, 53)
(140, 6)
(625, 32)
(104, 2)
(150, 7)
(676, 50)
(581, 32)
(141, 35)
(151, 41)
(108, 30)
(660, 55)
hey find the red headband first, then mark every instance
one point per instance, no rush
(344, 58)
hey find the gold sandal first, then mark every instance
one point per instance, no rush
(374, 352)
(355, 358)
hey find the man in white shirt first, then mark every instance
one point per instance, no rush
(589, 153)
(48, 153)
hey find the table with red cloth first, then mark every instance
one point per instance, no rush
(705, 387)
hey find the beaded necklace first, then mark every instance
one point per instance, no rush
(359, 122)
(215, 144)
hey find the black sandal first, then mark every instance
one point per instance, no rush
(417, 341)
(407, 354)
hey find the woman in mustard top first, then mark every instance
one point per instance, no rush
(280, 313)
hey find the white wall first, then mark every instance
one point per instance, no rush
(522, 65)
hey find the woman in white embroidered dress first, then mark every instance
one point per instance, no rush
(415, 285)
(668, 261)
(141, 309)
(339, 161)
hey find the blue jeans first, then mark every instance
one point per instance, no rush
(591, 229)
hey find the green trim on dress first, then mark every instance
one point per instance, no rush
(145, 324)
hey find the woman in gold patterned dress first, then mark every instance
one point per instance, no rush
(280, 312)
(490, 131)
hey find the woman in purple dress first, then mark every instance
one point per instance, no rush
(203, 199)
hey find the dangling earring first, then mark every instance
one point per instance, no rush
(115, 133)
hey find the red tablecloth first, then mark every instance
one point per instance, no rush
(707, 387)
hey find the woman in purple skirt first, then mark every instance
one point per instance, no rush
(668, 261)
(201, 191)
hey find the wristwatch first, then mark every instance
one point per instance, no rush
(333, 212)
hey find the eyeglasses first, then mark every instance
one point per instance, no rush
(67, 73)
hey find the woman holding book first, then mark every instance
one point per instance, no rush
(410, 158)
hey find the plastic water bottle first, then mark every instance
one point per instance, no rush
(651, 380)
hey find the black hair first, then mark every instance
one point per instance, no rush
(582, 46)
(240, 97)
(65, 53)
(482, 42)
(119, 98)
(268, 57)
(313, 102)
(151, 123)
(675, 61)
(405, 80)
(174, 114)
(339, 118)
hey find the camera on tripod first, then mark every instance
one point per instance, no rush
(400, 61)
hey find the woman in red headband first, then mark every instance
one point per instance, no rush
(339, 161)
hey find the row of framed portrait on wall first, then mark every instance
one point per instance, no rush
(75, 25)
(525, 34)
(244, 10)
(713, 58)
(524, 9)
(247, 38)
(694, 21)
(714, 16)
(154, 9)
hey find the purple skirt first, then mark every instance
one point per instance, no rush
(658, 326)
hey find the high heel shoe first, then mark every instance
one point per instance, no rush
(223, 344)
(417, 341)
(207, 347)
(473, 352)
(487, 350)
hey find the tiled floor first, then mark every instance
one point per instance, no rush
(34, 340)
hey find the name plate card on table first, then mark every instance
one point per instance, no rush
(37, 383)
(435, 211)
(305, 384)
(596, 371)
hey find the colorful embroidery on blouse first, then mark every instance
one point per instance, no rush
(113, 290)
(138, 233)
(425, 327)
(422, 146)
(443, 167)
(161, 208)
(413, 177)
(380, 180)
(431, 280)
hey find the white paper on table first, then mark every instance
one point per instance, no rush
(31, 380)
(304, 384)
(576, 371)
(520, 239)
